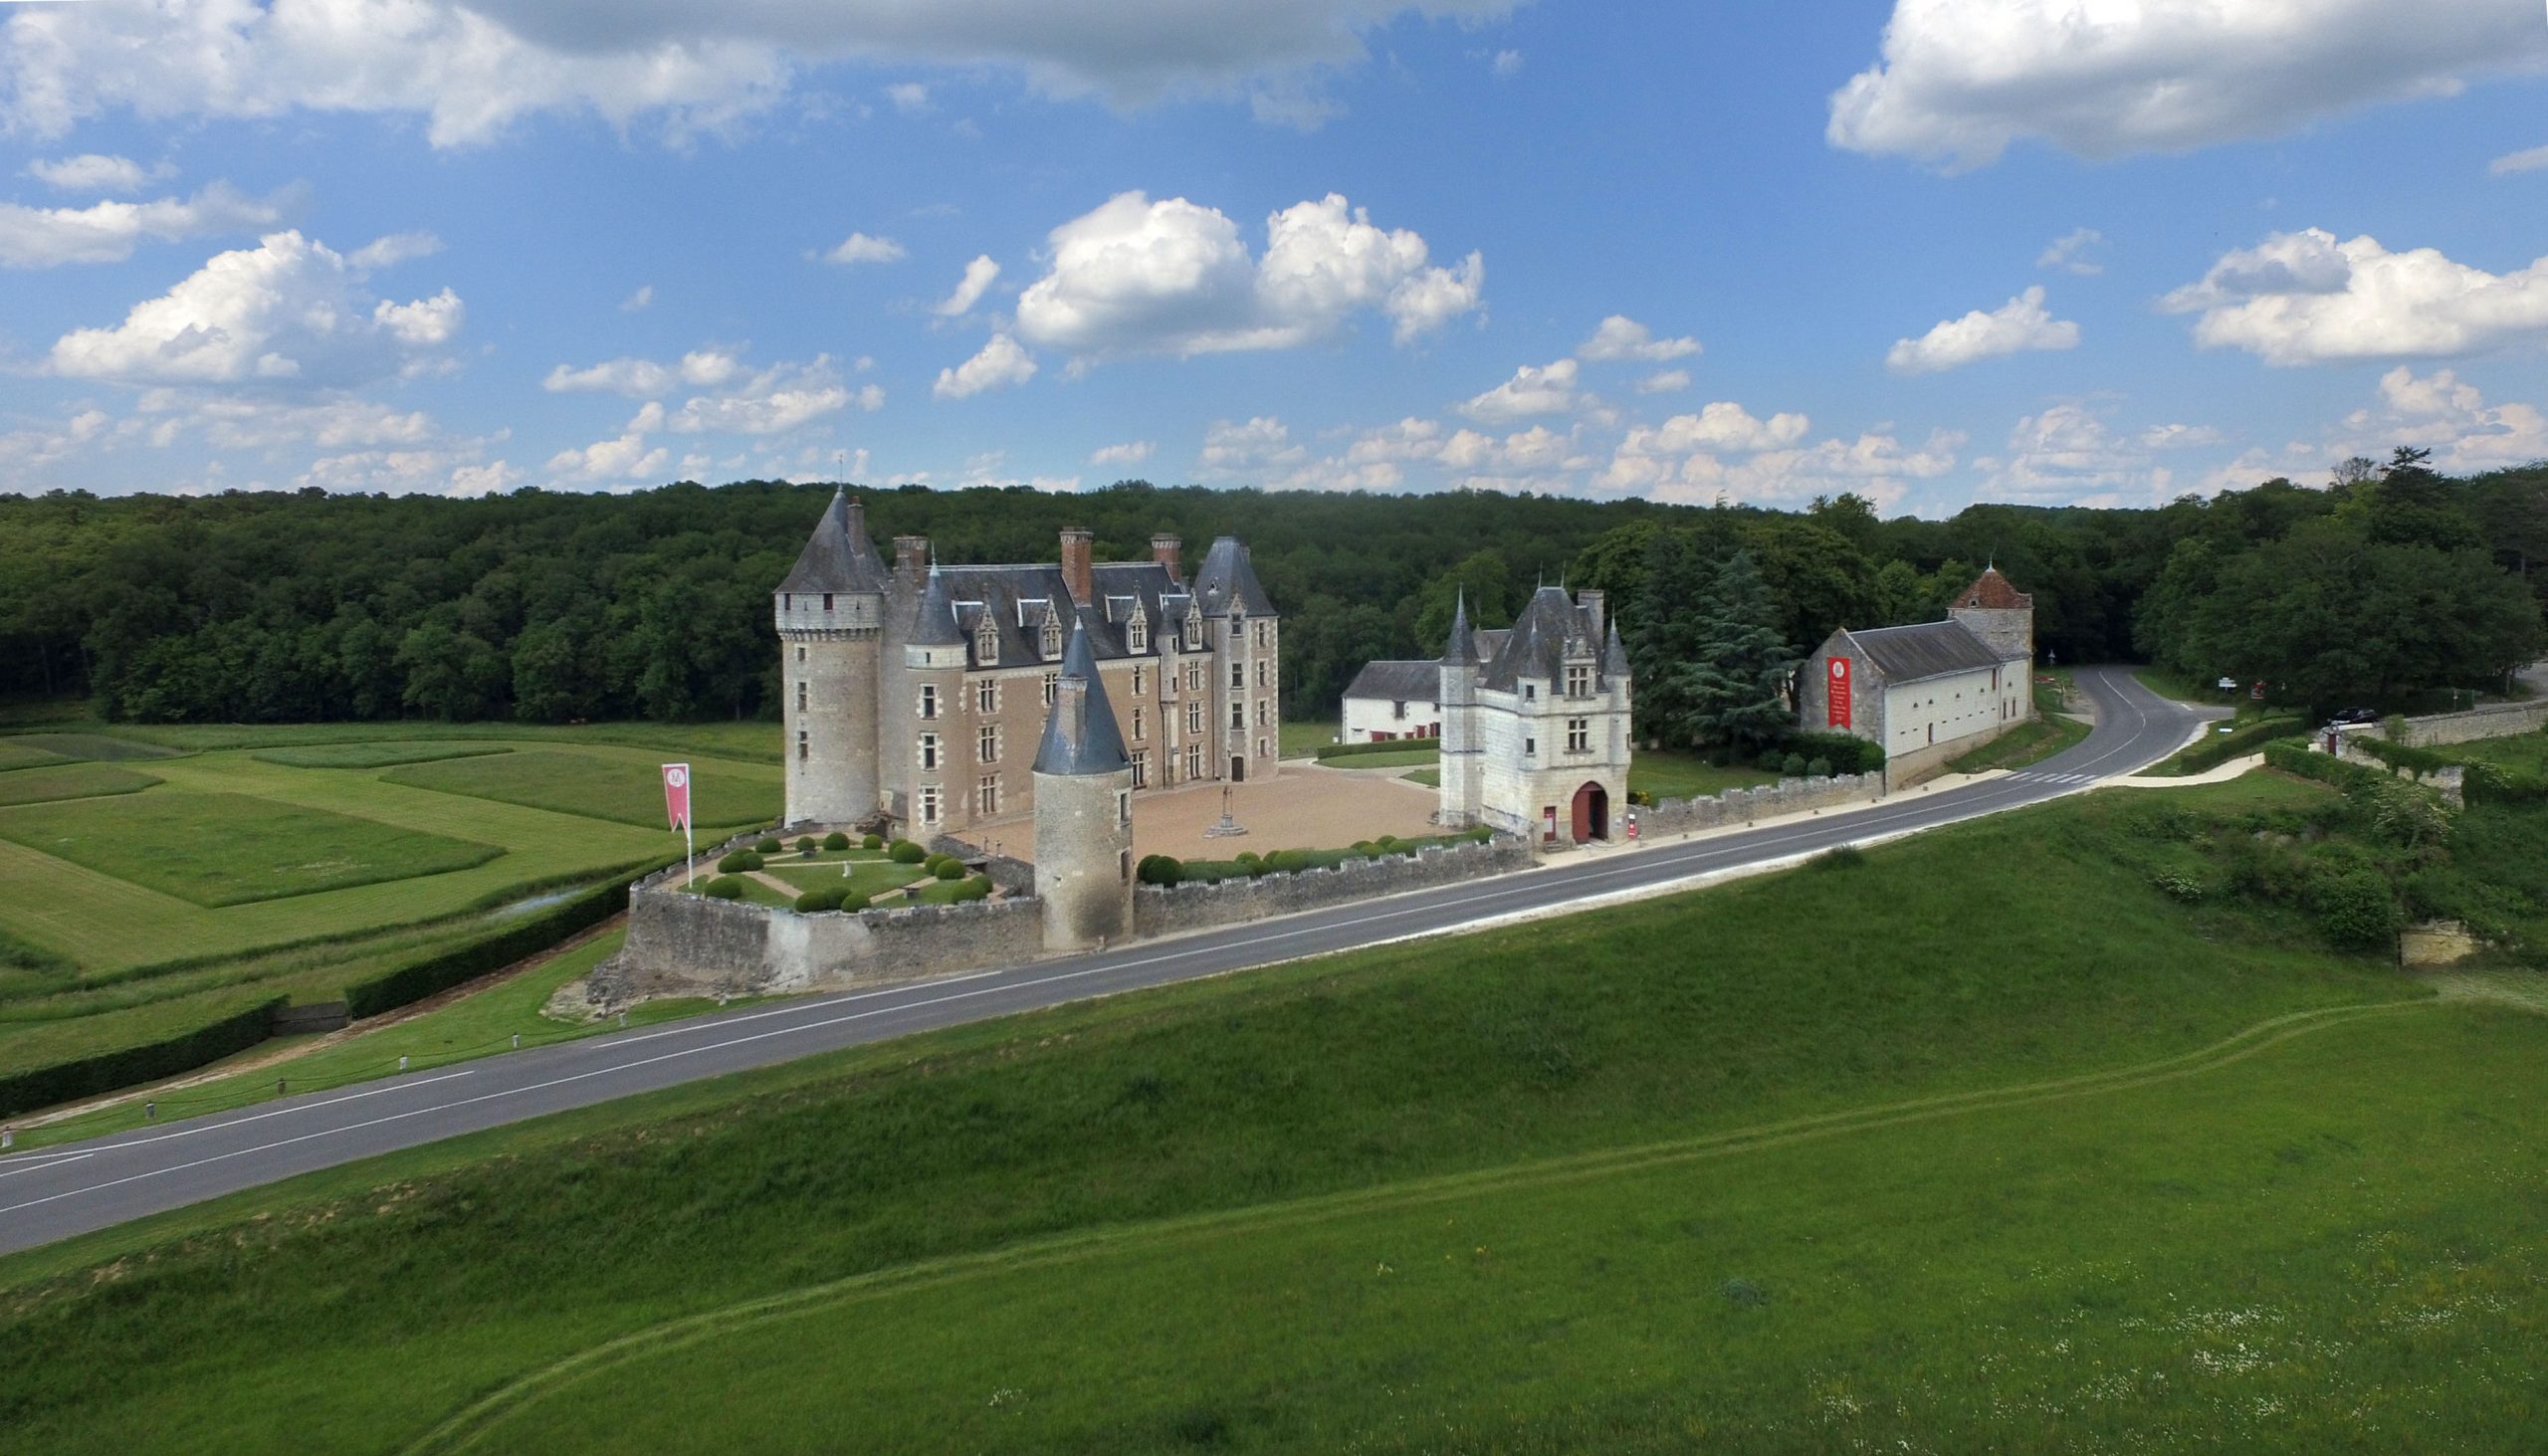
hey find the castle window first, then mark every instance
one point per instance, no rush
(1194, 717)
(1238, 674)
(787, 601)
(1264, 711)
(929, 700)
(1261, 666)
(1193, 761)
(1138, 726)
(1260, 747)
(827, 602)
(989, 742)
(801, 696)
(1053, 688)
(1052, 638)
(987, 696)
(987, 642)
(1193, 630)
(1530, 691)
(1141, 770)
(1139, 634)
(1578, 681)
(1136, 682)
(1264, 630)
(1530, 747)
(928, 750)
(988, 794)
(802, 748)
(800, 653)
(1238, 714)
(1397, 710)
(1123, 865)
(930, 806)
(1578, 736)
(1193, 677)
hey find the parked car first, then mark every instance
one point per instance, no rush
(2348, 717)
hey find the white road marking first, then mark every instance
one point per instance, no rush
(38, 1162)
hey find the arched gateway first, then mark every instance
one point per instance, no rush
(1591, 813)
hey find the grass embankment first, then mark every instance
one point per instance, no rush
(1491, 1190)
(2028, 742)
(2235, 739)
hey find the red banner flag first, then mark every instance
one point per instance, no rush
(1838, 715)
(677, 793)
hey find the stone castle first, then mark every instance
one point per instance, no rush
(920, 692)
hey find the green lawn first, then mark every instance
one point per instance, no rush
(1303, 739)
(372, 756)
(746, 742)
(1662, 1177)
(1674, 776)
(69, 780)
(2026, 744)
(98, 748)
(215, 850)
(1394, 759)
(617, 787)
(871, 877)
(2528, 751)
(14, 754)
(1430, 777)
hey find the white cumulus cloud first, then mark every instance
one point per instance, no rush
(288, 311)
(2518, 161)
(979, 277)
(2070, 253)
(1129, 453)
(2305, 299)
(1962, 79)
(2022, 323)
(93, 172)
(108, 232)
(2448, 416)
(1534, 389)
(1173, 276)
(860, 248)
(774, 401)
(1000, 363)
(703, 369)
(1623, 338)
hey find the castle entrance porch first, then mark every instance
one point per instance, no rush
(1591, 813)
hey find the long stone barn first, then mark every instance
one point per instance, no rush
(1931, 691)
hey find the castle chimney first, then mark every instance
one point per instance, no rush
(911, 555)
(1077, 570)
(1070, 711)
(1593, 602)
(1165, 549)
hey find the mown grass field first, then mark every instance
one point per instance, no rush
(288, 863)
(2021, 1159)
(2026, 744)
(14, 754)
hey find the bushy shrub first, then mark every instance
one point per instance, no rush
(1389, 841)
(804, 843)
(1769, 762)
(836, 841)
(872, 841)
(2354, 905)
(1846, 753)
(1818, 768)
(1367, 849)
(905, 852)
(2179, 886)
(739, 862)
(1159, 868)
(767, 844)
(1479, 835)
(1792, 767)
(977, 888)
(724, 887)
(813, 902)
(932, 862)
(949, 868)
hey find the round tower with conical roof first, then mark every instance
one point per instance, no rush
(1082, 809)
(1462, 746)
(831, 615)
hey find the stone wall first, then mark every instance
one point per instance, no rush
(1012, 876)
(2495, 720)
(1743, 805)
(682, 944)
(2452, 782)
(1169, 909)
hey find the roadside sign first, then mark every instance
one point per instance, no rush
(2227, 685)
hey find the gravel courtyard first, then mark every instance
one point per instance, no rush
(1304, 807)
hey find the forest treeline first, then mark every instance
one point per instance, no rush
(552, 607)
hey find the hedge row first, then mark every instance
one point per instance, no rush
(2293, 758)
(126, 1066)
(418, 979)
(1393, 746)
(2417, 762)
(2220, 748)
(1166, 869)
(2492, 783)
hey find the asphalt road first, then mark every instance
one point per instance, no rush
(77, 1187)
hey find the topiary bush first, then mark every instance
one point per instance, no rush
(739, 862)
(949, 868)
(1792, 767)
(813, 902)
(1159, 868)
(872, 841)
(767, 844)
(1818, 768)
(724, 887)
(805, 844)
(977, 888)
(905, 852)
(835, 841)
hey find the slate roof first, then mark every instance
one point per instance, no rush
(933, 622)
(1002, 593)
(1398, 682)
(1924, 650)
(1536, 645)
(1991, 589)
(1226, 577)
(1094, 745)
(1463, 647)
(838, 556)
(1614, 653)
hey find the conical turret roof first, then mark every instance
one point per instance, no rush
(838, 556)
(934, 620)
(1463, 647)
(1093, 745)
(1614, 653)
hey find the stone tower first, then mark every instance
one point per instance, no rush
(926, 709)
(1082, 809)
(1241, 623)
(831, 618)
(1997, 613)
(1461, 749)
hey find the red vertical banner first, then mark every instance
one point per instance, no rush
(677, 794)
(1837, 715)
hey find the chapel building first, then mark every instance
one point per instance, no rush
(921, 692)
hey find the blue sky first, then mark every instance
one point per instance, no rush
(1933, 251)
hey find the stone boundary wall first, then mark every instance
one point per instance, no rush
(1012, 876)
(2452, 782)
(2494, 720)
(1743, 805)
(1166, 909)
(682, 945)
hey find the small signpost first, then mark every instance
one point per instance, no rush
(677, 805)
(1631, 823)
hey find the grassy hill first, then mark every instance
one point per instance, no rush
(1987, 1138)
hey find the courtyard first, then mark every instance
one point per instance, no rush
(1306, 807)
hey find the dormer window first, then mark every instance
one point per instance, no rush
(1052, 637)
(1193, 630)
(987, 642)
(1138, 635)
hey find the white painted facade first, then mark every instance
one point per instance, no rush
(1944, 712)
(1367, 720)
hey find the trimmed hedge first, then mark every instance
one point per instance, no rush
(2327, 768)
(1845, 752)
(123, 1066)
(977, 888)
(2220, 748)
(741, 862)
(724, 887)
(1393, 746)
(1159, 868)
(872, 841)
(767, 844)
(2417, 762)
(950, 868)
(417, 979)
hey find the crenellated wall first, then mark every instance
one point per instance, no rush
(1743, 805)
